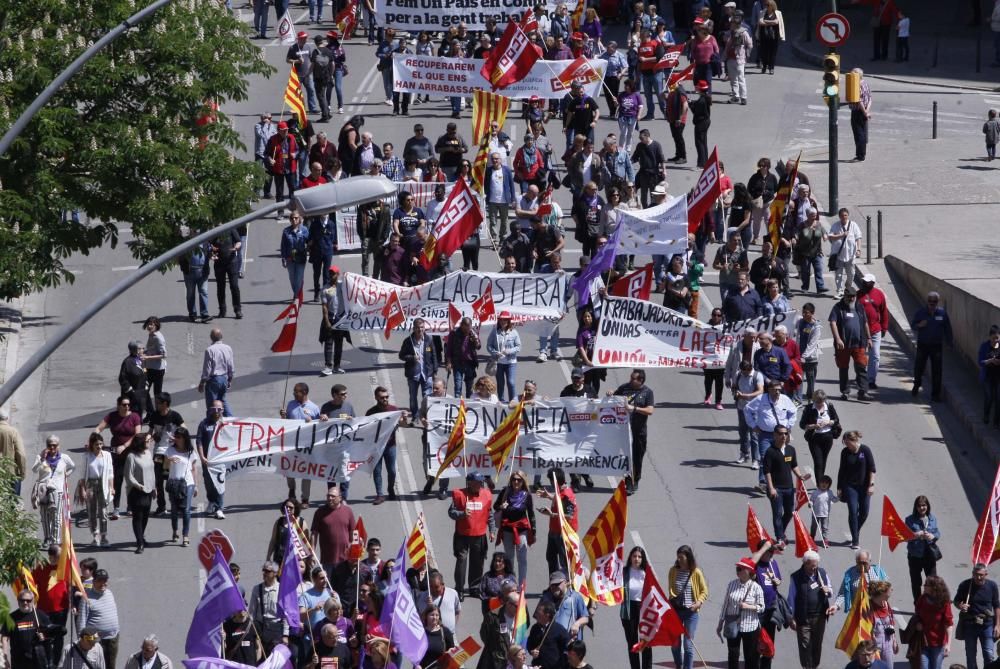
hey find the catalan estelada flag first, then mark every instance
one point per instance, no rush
(777, 213)
(294, 98)
(893, 527)
(416, 544)
(858, 626)
(503, 440)
(605, 546)
(456, 441)
(68, 569)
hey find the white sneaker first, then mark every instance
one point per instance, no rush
(740, 460)
(557, 356)
(755, 465)
(338, 370)
(327, 371)
(542, 357)
(219, 514)
(340, 110)
(388, 102)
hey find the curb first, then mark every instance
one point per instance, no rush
(953, 364)
(807, 56)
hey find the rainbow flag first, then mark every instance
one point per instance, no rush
(519, 634)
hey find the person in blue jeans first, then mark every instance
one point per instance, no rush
(780, 467)
(856, 482)
(215, 477)
(195, 268)
(978, 602)
(764, 415)
(295, 252)
(389, 454)
(503, 345)
(182, 481)
(688, 592)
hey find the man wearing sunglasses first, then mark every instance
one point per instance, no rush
(26, 638)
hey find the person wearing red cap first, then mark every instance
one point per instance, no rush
(701, 116)
(299, 56)
(280, 158)
(739, 618)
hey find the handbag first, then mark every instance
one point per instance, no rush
(765, 644)
(678, 601)
(176, 489)
(491, 368)
(731, 622)
(836, 430)
(831, 264)
(934, 551)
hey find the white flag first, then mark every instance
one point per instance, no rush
(286, 29)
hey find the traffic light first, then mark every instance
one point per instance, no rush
(831, 76)
(852, 87)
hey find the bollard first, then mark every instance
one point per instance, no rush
(879, 225)
(979, 51)
(868, 240)
(934, 121)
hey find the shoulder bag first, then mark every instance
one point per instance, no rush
(731, 622)
(678, 601)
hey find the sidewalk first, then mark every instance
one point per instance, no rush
(10, 330)
(943, 46)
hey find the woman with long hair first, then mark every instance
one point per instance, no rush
(517, 522)
(920, 550)
(770, 33)
(98, 484)
(290, 508)
(182, 486)
(586, 335)
(439, 638)
(140, 482)
(688, 593)
(934, 622)
(499, 574)
(634, 577)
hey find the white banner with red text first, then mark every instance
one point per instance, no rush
(581, 435)
(329, 450)
(535, 301)
(433, 75)
(439, 15)
(636, 333)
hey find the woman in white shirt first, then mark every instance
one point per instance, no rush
(52, 468)
(98, 480)
(182, 481)
(634, 577)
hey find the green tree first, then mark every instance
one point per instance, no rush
(18, 534)
(121, 142)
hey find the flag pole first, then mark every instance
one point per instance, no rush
(695, 646)
(288, 373)
(881, 540)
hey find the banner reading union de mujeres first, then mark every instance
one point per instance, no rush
(531, 299)
(580, 435)
(636, 333)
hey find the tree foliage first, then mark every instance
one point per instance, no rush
(18, 534)
(121, 142)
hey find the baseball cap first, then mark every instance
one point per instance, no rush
(475, 476)
(334, 269)
(333, 34)
(701, 85)
(557, 577)
(868, 278)
(282, 125)
(504, 315)
(577, 373)
(302, 34)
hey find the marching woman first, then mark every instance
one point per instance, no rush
(739, 619)
(98, 483)
(52, 468)
(688, 592)
(634, 577)
(517, 522)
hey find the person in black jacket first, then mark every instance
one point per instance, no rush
(224, 249)
(856, 482)
(421, 359)
(701, 112)
(547, 638)
(652, 165)
(822, 426)
(762, 186)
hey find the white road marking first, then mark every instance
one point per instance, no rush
(125, 268)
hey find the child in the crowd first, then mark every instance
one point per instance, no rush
(902, 37)
(822, 498)
(992, 131)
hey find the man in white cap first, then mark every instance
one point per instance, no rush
(873, 301)
(809, 597)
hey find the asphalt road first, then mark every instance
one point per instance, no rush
(692, 492)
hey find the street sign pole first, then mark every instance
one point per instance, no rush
(834, 164)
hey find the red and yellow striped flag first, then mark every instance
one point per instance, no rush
(416, 545)
(858, 626)
(294, 98)
(781, 198)
(68, 569)
(456, 441)
(605, 546)
(459, 655)
(24, 581)
(578, 576)
(576, 18)
(503, 440)
(486, 108)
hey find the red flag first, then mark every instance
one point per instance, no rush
(803, 541)
(454, 316)
(755, 531)
(578, 66)
(459, 217)
(984, 543)
(529, 23)
(346, 19)
(705, 193)
(671, 56)
(286, 338)
(456, 657)
(801, 495)
(393, 313)
(893, 526)
(483, 306)
(678, 77)
(511, 60)
(659, 624)
(359, 540)
(637, 285)
(545, 208)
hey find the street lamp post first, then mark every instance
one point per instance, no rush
(315, 201)
(25, 118)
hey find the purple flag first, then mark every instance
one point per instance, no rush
(602, 261)
(220, 599)
(280, 658)
(399, 614)
(291, 579)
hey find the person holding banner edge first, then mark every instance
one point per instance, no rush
(639, 403)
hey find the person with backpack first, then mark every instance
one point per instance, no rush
(322, 74)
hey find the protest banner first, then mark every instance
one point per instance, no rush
(635, 333)
(329, 450)
(537, 300)
(660, 230)
(439, 15)
(581, 435)
(432, 75)
(347, 230)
